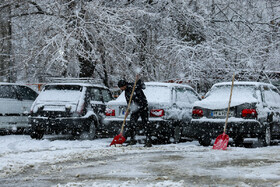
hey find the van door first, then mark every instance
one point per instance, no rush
(27, 96)
(96, 102)
(10, 108)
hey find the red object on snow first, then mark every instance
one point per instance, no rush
(221, 142)
(119, 139)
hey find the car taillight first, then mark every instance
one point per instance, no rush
(80, 109)
(110, 112)
(249, 113)
(197, 113)
(157, 113)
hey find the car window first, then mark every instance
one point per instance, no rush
(271, 97)
(193, 96)
(106, 94)
(186, 96)
(7, 91)
(94, 94)
(276, 96)
(26, 93)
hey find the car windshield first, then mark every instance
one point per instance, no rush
(61, 93)
(239, 92)
(63, 87)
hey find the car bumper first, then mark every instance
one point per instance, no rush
(57, 124)
(215, 127)
(13, 123)
(112, 126)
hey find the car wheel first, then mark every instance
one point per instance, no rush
(177, 134)
(204, 140)
(91, 131)
(238, 140)
(37, 135)
(265, 138)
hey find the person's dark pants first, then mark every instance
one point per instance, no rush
(132, 127)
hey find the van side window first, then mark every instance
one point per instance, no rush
(95, 94)
(106, 94)
(7, 91)
(268, 97)
(26, 93)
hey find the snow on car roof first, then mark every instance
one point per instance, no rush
(8, 83)
(78, 84)
(166, 84)
(243, 83)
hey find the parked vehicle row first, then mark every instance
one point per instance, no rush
(86, 110)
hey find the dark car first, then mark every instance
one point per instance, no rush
(254, 113)
(76, 108)
(170, 108)
(15, 102)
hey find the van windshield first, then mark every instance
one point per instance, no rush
(63, 87)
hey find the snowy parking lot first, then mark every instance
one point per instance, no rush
(58, 161)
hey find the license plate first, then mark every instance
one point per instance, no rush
(122, 111)
(221, 113)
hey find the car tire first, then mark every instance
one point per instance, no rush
(90, 133)
(238, 140)
(204, 140)
(265, 138)
(38, 135)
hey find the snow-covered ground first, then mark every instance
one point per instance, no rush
(57, 161)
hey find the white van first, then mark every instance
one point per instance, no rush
(15, 104)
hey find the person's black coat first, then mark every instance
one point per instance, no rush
(139, 97)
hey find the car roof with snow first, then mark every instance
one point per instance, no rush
(243, 83)
(79, 84)
(8, 83)
(167, 84)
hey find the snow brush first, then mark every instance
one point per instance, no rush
(120, 139)
(222, 140)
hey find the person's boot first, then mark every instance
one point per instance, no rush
(148, 143)
(132, 141)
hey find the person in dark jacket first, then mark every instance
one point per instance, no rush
(138, 108)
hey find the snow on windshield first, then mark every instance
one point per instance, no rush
(218, 96)
(154, 94)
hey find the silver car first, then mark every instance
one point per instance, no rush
(170, 108)
(15, 104)
(254, 113)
